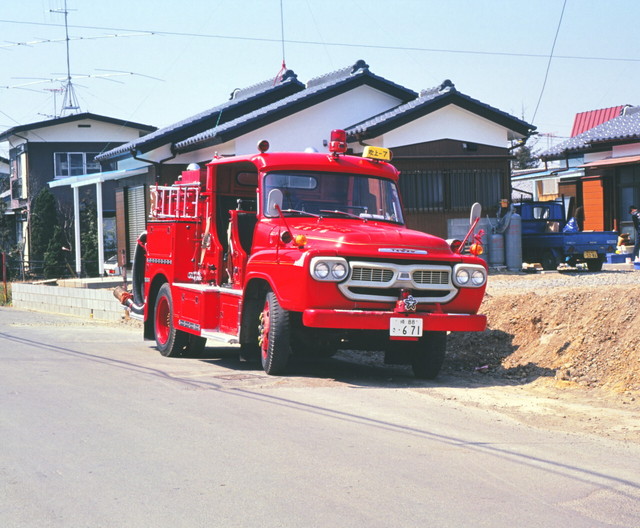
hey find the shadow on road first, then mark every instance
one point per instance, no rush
(367, 369)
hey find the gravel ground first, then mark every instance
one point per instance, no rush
(518, 282)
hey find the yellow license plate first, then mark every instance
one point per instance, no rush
(378, 153)
(590, 254)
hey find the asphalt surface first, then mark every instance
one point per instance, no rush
(99, 430)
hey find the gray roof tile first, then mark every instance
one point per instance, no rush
(621, 128)
(431, 100)
(241, 101)
(318, 89)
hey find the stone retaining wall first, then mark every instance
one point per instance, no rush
(82, 302)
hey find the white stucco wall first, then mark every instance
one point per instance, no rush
(310, 127)
(450, 122)
(98, 131)
(595, 156)
(633, 149)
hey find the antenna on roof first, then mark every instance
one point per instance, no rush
(70, 104)
(283, 68)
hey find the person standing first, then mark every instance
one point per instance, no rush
(635, 216)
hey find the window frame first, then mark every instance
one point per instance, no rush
(88, 158)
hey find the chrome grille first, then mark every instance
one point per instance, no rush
(371, 274)
(383, 281)
(430, 277)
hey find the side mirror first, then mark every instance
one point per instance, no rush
(476, 213)
(274, 199)
(474, 218)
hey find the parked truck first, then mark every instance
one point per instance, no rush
(300, 253)
(547, 240)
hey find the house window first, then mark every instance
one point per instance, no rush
(18, 177)
(75, 164)
(422, 190)
(450, 190)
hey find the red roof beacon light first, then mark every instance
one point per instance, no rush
(338, 143)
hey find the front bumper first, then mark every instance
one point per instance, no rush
(374, 320)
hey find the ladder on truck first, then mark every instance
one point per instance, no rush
(176, 201)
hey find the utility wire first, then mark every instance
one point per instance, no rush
(546, 75)
(340, 44)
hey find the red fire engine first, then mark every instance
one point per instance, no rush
(293, 253)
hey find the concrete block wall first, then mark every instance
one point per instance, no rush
(81, 302)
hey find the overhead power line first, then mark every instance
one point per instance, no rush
(337, 44)
(55, 41)
(553, 47)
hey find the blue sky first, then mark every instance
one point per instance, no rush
(189, 56)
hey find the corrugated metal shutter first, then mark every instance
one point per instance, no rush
(136, 216)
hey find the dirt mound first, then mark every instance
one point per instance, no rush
(588, 336)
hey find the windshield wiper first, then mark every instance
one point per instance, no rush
(341, 213)
(303, 213)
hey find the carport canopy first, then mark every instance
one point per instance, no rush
(97, 179)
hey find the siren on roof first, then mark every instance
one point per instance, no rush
(338, 142)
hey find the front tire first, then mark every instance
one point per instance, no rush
(274, 336)
(427, 355)
(169, 341)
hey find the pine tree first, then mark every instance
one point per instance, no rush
(43, 221)
(55, 258)
(524, 158)
(89, 238)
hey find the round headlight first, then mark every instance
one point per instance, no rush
(339, 271)
(321, 270)
(477, 278)
(462, 276)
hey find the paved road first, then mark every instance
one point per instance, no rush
(98, 430)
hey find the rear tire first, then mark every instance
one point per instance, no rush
(274, 336)
(427, 354)
(169, 341)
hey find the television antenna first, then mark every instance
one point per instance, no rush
(55, 92)
(70, 104)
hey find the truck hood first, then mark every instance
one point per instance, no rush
(355, 236)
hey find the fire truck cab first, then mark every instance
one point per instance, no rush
(299, 253)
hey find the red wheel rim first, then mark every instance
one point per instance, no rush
(163, 316)
(264, 330)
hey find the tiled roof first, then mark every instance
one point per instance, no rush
(429, 101)
(317, 90)
(621, 128)
(587, 120)
(242, 101)
(70, 119)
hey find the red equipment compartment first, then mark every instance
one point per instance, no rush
(173, 244)
(197, 306)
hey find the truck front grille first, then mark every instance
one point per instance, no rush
(431, 276)
(365, 274)
(382, 281)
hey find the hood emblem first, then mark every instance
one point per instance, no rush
(403, 250)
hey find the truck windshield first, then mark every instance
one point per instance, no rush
(332, 194)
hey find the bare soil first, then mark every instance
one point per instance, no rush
(579, 334)
(566, 345)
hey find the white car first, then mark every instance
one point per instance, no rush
(111, 267)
